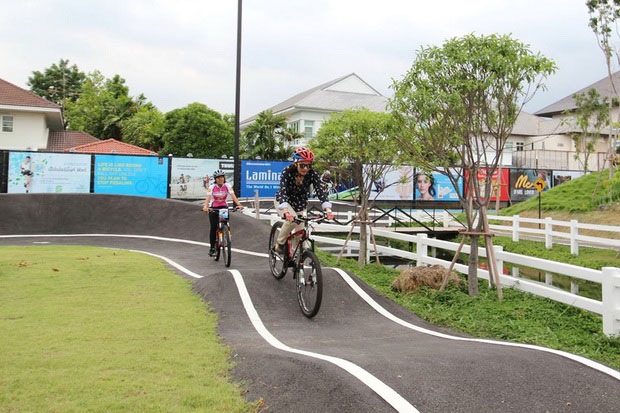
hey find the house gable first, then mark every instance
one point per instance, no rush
(353, 84)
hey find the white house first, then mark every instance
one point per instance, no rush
(306, 111)
(26, 119)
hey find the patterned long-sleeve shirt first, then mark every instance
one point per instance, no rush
(296, 196)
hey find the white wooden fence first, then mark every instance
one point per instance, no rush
(547, 231)
(608, 277)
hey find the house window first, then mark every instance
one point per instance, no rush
(308, 127)
(294, 126)
(519, 146)
(7, 124)
(508, 147)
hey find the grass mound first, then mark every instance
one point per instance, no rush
(574, 195)
(89, 329)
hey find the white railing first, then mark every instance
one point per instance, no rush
(608, 277)
(547, 231)
(347, 216)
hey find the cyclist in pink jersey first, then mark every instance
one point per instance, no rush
(216, 199)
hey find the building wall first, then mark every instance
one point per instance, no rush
(30, 131)
(305, 118)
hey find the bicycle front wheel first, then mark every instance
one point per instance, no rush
(218, 245)
(276, 262)
(226, 247)
(309, 284)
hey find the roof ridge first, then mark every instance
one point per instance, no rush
(600, 83)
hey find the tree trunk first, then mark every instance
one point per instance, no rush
(472, 277)
(361, 260)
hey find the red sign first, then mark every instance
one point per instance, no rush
(481, 179)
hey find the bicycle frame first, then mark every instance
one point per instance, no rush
(304, 235)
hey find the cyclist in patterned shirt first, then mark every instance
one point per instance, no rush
(216, 199)
(292, 197)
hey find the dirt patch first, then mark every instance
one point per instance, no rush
(416, 277)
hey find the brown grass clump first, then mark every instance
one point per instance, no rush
(416, 277)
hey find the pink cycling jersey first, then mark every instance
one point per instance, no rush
(219, 194)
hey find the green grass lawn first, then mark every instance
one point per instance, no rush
(519, 317)
(104, 330)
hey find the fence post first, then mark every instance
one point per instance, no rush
(446, 220)
(574, 288)
(574, 244)
(256, 204)
(349, 216)
(611, 300)
(548, 278)
(515, 272)
(498, 249)
(515, 228)
(548, 235)
(421, 249)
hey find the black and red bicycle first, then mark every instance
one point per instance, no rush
(223, 244)
(306, 266)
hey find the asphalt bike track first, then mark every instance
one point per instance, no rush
(361, 352)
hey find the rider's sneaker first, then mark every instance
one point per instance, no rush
(211, 252)
(280, 249)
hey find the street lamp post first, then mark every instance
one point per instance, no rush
(237, 162)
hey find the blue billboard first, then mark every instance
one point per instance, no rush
(435, 187)
(261, 175)
(131, 175)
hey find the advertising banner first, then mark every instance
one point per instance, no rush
(522, 182)
(131, 175)
(396, 184)
(435, 187)
(261, 175)
(559, 177)
(38, 172)
(190, 177)
(481, 179)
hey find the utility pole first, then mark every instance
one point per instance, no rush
(237, 162)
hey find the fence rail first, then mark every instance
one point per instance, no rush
(572, 235)
(608, 277)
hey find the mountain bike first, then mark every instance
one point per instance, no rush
(306, 266)
(223, 244)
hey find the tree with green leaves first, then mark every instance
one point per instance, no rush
(198, 130)
(591, 115)
(102, 107)
(361, 144)
(267, 137)
(456, 107)
(58, 83)
(145, 128)
(604, 15)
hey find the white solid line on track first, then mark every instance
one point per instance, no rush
(387, 393)
(593, 364)
(582, 360)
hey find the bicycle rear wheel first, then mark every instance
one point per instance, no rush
(226, 247)
(309, 284)
(276, 263)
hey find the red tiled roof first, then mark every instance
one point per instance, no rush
(111, 146)
(14, 95)
(60, 140)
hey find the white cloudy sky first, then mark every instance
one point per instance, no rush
(183, 51)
